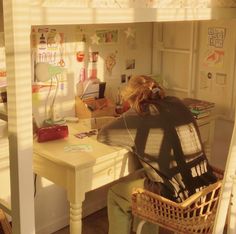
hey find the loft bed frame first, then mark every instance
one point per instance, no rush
(19, 16)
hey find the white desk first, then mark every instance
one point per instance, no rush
(80, 172)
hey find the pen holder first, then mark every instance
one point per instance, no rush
(52, 133)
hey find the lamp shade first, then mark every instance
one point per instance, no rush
(42, 72)
(45, 71)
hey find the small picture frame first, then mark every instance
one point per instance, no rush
(130, 64)
(107, 36)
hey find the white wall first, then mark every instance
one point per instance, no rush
(173, 65)
(219, 62)
(220, 88)
(174, 56)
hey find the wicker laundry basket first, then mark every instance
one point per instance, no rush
(194, 215)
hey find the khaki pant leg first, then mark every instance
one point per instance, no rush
(119, 208)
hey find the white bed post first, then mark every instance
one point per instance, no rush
(17, 44)
(227, 200)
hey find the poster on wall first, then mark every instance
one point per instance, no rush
(93, 66)
(216, 36)
(110, 62)
(48, 45)
(213, 58)
(214, 54)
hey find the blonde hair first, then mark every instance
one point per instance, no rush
(140, 89)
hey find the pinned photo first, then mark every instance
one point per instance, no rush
(93, 57)
(130, 64)
(123, 78)
(107, 36)
(80, 56)
(110, 62)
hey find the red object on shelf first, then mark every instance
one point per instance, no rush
(52, 133)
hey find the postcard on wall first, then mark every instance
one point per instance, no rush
(130, 64)
(216, 36)
(107, 36)
(49, 46)
(213, 58)
(93, 56)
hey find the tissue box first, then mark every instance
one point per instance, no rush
(52, 133)
(91, 107)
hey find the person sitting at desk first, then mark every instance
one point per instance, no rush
(162, 133)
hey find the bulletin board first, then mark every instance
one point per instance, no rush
(108, 53)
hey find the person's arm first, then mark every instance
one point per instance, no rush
(115, 134)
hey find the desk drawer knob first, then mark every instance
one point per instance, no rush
(110, 172)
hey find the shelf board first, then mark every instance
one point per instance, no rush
(172, 50)
(77, 15)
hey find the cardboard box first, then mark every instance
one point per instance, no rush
(91, 108)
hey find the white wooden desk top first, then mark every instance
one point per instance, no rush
(55, 150)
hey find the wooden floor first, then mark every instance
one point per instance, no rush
(97, 223)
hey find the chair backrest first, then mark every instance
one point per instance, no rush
(195, 215)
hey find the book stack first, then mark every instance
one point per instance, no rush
(199, 108)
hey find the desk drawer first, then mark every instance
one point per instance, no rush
(103, 173)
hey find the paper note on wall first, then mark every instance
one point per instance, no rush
(213, 58)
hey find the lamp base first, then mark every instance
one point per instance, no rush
(51, 122)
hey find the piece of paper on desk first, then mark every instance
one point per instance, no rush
(82, 135)
(78, 148)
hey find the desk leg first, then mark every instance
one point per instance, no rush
(75, 218)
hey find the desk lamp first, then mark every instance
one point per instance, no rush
(45, 72)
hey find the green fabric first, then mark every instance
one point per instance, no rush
(119, 208)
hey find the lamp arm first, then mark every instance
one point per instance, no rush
(51, 113)
(46, 102)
